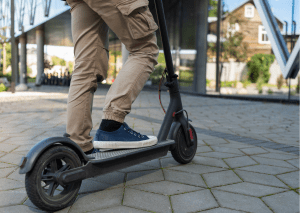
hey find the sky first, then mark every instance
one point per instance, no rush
(282, 9)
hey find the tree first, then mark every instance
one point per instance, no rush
(213, 8)
(58, 61)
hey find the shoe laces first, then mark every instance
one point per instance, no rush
(131, 131)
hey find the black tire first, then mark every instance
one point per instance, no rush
(56, 159)
(181, 153)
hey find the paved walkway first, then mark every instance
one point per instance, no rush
(247, 158)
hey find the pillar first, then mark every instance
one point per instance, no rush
(199, 83)
(17, 62)
(125, 54)
(23, 59)
(40, 54)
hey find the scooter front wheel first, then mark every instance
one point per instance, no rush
(181, 153)
(41, 186)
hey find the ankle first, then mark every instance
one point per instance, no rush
(110, 125)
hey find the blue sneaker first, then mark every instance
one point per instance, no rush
(123, 138)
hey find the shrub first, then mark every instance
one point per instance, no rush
(280, 81)
(270, 91)
(156, 74)
(246, 83)
(259, 65)
(298, 86)
(3, 87)
(259, 84)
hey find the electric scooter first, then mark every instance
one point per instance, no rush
(56, 166)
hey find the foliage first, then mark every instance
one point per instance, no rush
(161, 59)
(298, 86)
(186, 75)
(259, 65)
(47, 64)
(270, 91)
(259, 84)
(213, 8)
(30, 80)
(229, 84)
(156, 74)
(29, 70)
(8, 76)
(246, 83)
(8, 54)
(58, 61)
(71, 66)
(280, 81)
(3, 87)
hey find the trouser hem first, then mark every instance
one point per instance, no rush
(114, 116)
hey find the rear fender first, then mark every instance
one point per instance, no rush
(35, 152)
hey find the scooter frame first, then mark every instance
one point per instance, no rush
(172, 123)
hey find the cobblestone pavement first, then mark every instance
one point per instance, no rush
(247, 158)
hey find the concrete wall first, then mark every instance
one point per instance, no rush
(235, 71)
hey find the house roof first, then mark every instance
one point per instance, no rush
(240, 5)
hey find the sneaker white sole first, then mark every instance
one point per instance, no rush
(125, 144)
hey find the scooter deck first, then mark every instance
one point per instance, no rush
(123, 153)
(106, 162)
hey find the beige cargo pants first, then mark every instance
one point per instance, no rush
(133, 23)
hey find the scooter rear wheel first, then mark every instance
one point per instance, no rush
(42, 188)
(181, 153)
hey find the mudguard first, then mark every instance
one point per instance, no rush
(173, 131)
(27, 164)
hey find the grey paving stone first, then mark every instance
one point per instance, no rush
(294, 162)
(291, 179)
(97, 200)
(12, 197)
(255, 150)
(215, 141)
(272, 170)
(197, 169)
(221, 178)
(219, 155)
(193, 201)
(283, 156)
(168, 162)
(240, 202)
(220, 210)
(153, 163)
(146, 201)
(136, 168)
(201, 149)
(250, 189)
(183, 177)
(240, 161)
(287, 202)
(6, 171)
(114, 178)
(166, 188)
(8, 147)
(272, 162)
(6, 184)
(119, 209)
(19, 209)
(6, 165)
(264, 179)
(209, 161)
(93, 186)
(236, 145)
(225, 149)
(11, 158)
(144, 177)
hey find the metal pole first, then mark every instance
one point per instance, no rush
(286, 32)
(13, 44)
(218, 47)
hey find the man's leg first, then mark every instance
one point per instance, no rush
(133, 23)
(89, 33)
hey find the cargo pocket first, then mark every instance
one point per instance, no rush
(140, 19)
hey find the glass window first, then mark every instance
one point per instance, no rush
(262, 35)
(249, 11)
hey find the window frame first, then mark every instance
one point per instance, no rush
(262, 31)
(252, 11)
